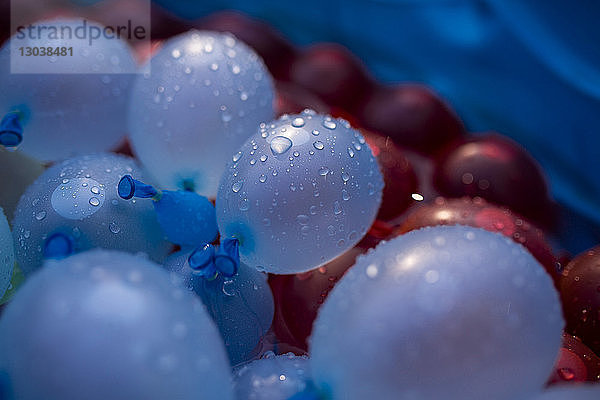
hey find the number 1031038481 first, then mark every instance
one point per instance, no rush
(46, 51)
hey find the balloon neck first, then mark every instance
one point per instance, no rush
(129, 188)
(58, 246)
(210, 262)
(188, 185)
(11, 129)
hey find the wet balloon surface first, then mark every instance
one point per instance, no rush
(301, 191)
(205, 94)
(56, 97)
(97, 317)
(78, 199)
(431, 309)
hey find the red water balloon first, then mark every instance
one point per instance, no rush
(498, 169)
(580, 295)
(576, 363)
(413, 116)
(333, 73)
(398, 175)
(293, 99)
(478, 213)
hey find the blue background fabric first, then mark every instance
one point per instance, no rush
(527, 69)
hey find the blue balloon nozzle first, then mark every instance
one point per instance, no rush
(129, 188)
(11, 130)
(227, 258)
(209, 263)
(58, 246)
(202, 261)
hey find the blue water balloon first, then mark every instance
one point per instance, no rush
(74, 206)
(58, 106)
(7, 254)
(185, 217)
(301, 191)
(205, 95)
(448, 312)
(272, 377)
(109, 325)
(241, 305)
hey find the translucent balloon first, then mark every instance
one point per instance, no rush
(206, 94)
(571, 392)
(272, 377)
(241, 305)
(448, 312)
(75, 204)
(78, 104)
(300, 192)
(7, 254)
(110, 325)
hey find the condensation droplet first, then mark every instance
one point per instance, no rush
(298, 122)
(114, 228)
(337, 208)
(237, 186)
(329, 124)
(280, 144)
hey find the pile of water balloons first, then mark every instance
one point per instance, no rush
(222, 255)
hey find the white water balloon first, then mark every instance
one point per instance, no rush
(205, 94)
(241, 305)
(74, 206)
(109, 325)
(301, 191)
(67, 104)
(439, 313)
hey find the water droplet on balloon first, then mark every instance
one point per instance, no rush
(280, 144)
(329, 124)
(298, 122)
(237, 186)
(566, 373)
(229, 288)
(337, 209)
(318, 145)
(114, 228)
(41, 215)
(94, 201)
(323, 171)
(244, 205)
(302, 219)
